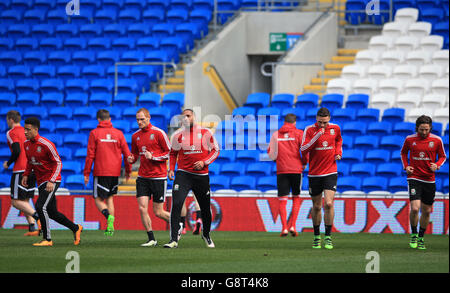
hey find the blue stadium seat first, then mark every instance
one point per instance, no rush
(100, 100)
(18, 30)
(26, 44)
(75, 141)
(60, 113)
(437, 128)
(6, 44)
(9, 17)
(115, 5)
(404, 128)
(226, 6)
(379, 129)
(59, 58)
(84, 58)
(202, 17)
(66, 30)
(283, 100)
(247, 156)
(427, 4)
(163, 30)
(51, 100)
(368, 115)
(76, 182)
(7, 99)
(64, 153)
(298, 112)
(129, 113)
(75, 44)
(144, 75)
(266, 183)
(19, 72)
(377, 156)
(149, 100)
(51, 44)
(174, 46)
(77, 99)
(342, 115)
(353, 156)
(349, 183)
(29, 58)
(214, 169)
(56, 138)
(76, 85)
(99, 44)
(366, 142)
(362, 170)
(177, 16)
(124, 100)
(153, 16)
(445, 186)
(47, 126)
(65, 127)
(102, 85)
(432, 15)
(357, 101)
(105, 16)
(381, 17)
(114, 30)
(354, 129)
(147, 43)
(123, 125)
(92, 72)
(243, 183)
(332, 101)
(389, 170)
(244, 112)
(10, 58)
(203, 4)
(376, 183)
(135, 4)
(174, 101)
(29, 99)
(127, 85)
(233, 169)
(160, 117)
(90, 30)
(259, 169)
(83, 113)
(257, 100)
(397, 184)
(107, 58)
(123, 71)
(343, 169)
(226, 156)
(80, 154)
(126, 47)
(161, 4)
(393, 115)
(138, 30)
(396, 156)
(36, 111)
(217, 182)
(347, 142)
(71, 168)
(391, 142)
(87, 125)
(42, 31)
(5, 180)
(355, 11)
(129, 16)
(443, 172)
(42, 72)
(6, 85)
(82, 18)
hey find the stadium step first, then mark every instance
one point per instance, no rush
(343, 59)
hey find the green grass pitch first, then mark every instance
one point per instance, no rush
(235, 252)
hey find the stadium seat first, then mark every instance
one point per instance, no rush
(298, 112)
(406, 43)
(243, 183)
(441, 115)
(368, 115)
(174, 101)
(400, 73)
(65, 127)
(347, 142)
(339, 86)
(52, 100)
(445, 186)
(214, 169)
(342, 115)
(259, 169)
(357, 101)
(28, 99)
(7, 99)
(353, 156)
(381, 43)
(379, 72)
(332, 101)
(354, 129)
(36, 111)
(160, 117)
(367, 57)
(392, 58)
(377, 156)
(366, 142)
(414, 113)
(71, 168)
(245, 112)
(233, 169)
(391, 142)
(247, 156)
(83, 113)
(149, 100)
(362, 170)
(124, 100)
(266, 183)
(257, 100)
(75, 141)
(283, 100)
(441, 58)
(217, 182)
(307, 101)
(56, 58)
(440, 86)
(101, 85)
(366, 86)
(408, 15)
(153, 16)
(42, 72)
(376, 183)
(177, 16)
(397, 184)
(393, 115)
(27, 85)
(47, 126)
(394, 29)
(226, 156)
(349, 183)
(147, 43)
(123, 125)
(107, 58)
(353, 12)
(389, 170)
(87, 125)
(404, 128)
(19, 72)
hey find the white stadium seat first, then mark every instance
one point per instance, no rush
(365, 86)
(394, 29)
(417, 86)
(440, 86)
(430, 71)
(440, 58)
(404, 71)
(419, 29)
(353, 72)
(431, 43)
(415, 113)
(441, 115)
(406, 43)
(392, 57)
(391, 86)
(407, 101)
(339, 86)
(367, 57)
(433, 101)
(407, 15)
(379, 72)
(381, 43)
(382, 101)
(418, 57)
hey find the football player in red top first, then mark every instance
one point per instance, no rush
(422, 147)
(284, 149)
(20, 196)
(322, 142)
(105, 148)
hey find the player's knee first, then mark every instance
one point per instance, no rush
(328, 205)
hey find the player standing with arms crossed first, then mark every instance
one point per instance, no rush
(151, 145)
(422, 147)
(284, 149)
(322, 141)
(44, 160)
(105, 148)
(193, 149)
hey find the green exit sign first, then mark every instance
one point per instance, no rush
(277, 42)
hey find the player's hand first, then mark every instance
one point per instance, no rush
(148, 155)
(24, 181)
(171, 175)
(434, 167)
(199, 165)
(337, 157)
(409, 170)
(5, 164)
(130, 159)
(86, 180)
(49, 187)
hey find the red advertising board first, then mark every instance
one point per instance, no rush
(232, 213)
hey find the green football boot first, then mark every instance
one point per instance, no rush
(413, 241)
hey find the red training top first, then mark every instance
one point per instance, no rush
(17, 134)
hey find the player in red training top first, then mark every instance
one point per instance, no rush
(105, 148)
(322, 141)
(43, 159)
(151, 145)
(422, 147)
(284, 149)
(20, 196)
(193, 149)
